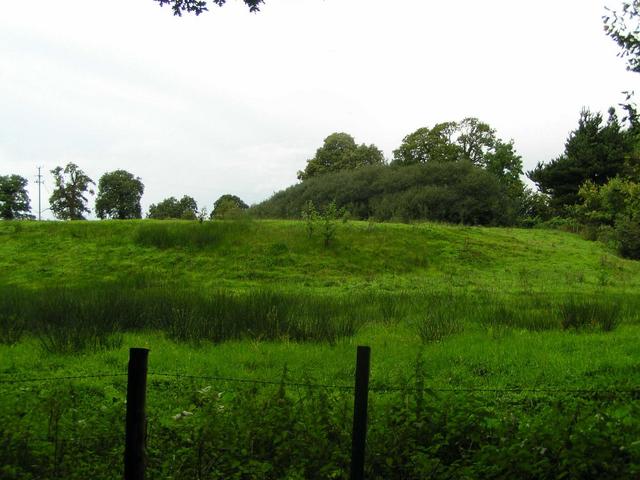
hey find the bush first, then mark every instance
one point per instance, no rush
(627, 232)
(456, 192)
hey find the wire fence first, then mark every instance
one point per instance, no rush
(373, 387)
(71, 434)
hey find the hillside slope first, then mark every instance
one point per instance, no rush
(393, 257)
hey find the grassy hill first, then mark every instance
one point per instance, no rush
(525, 340)
(242, 255)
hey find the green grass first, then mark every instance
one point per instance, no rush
(389, 257)
(441, 306)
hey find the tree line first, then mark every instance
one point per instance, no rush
(118, 197)
(454, 171)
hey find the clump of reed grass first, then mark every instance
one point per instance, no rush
(13, 323)
(184, 234)
(578, 313)
(71, 321)
(525, 313)
(441, 320)
(262, 315)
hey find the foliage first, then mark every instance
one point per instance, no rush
(623, 27)
(603, 205)
(476, 140)
(594, 151)
(200, 6)
(628, 236)
(534, 208)
(170, 208)
(429, 145)
(68, 201)
(456, 192)
(340, 152)
(228, 207)
(119, 194)
(615, 204)
(329, 218)
(228, 430)
(309, 215)
(469, 139)
(14, 199)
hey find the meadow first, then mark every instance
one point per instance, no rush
(496, 352)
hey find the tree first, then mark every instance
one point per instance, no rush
(623, 26)
(185, 209)
(476, 139)
(14, 199)
(67, 200)
(594, 151)
(471, 140)
(200, 6)
(228, 206)
(339, 151)
(429, 145)
(503, 161)
(119, 195)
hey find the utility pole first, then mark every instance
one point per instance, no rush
(39, 181)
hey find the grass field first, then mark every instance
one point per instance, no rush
(536, 331)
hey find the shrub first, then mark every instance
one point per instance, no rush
(627, 232)
(454, 192)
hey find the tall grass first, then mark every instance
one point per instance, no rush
(90, 318)
(443, 317)
(72, 320)
(580, 313)
(195, 235)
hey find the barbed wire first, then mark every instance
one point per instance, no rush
(374, 387)
(382, 388)
(55, 379)
(253, 381)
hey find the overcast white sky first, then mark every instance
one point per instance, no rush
(234, 102)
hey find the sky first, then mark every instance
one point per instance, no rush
(235, 102)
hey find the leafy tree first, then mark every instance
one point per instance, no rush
(503, 161)
(228, 206)
(340, 152)
(476, 139)
(200, 6)
(595, 151)
(170, 208)
(14, 199)
(68, 201)
(623, 26)
(119, 195)
(468, 140)
(429, 145)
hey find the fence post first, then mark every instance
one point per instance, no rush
(359, 433)
(134, 454)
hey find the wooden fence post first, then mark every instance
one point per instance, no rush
(359, 433)
(134, 449)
